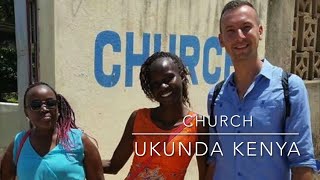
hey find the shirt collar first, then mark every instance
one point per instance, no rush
(265, 71)
(230, 79)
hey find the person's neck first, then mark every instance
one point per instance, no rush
(44, 133)
(245, 73)
(172, 112)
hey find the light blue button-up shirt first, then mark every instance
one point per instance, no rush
(269, 157)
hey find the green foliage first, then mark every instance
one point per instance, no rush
(10, 97)
(8, 60)
(8, 70)
(7, 11)
(8, 54)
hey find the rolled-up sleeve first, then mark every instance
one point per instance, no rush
(299, 122)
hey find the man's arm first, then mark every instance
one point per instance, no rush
(302, 163)
(302, 173)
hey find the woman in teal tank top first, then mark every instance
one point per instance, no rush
(54, 148)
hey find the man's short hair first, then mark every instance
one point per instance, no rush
(236, 4)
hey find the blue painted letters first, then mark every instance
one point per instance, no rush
(190, 49)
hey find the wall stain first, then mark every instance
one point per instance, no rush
(76, 4)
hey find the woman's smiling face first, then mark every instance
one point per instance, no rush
(42, 107)
(165, 81)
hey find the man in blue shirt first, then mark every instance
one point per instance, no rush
(250, 110)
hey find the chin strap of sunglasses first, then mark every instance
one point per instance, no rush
(23, 140)
(175, 132)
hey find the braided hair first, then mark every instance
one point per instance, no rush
(145, 75)
(66, 119)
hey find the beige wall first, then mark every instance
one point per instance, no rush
(314, 100)
(46, 41)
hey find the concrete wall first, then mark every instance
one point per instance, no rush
(46, 41)
(314, 100)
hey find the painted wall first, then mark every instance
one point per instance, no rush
(99, 47)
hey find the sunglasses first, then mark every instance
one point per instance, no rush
(36, 105)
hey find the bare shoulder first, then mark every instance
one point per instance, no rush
(8, 153)
(85, 138)
(87, 142)
(133, 115)
(10, 148)
(131, 120)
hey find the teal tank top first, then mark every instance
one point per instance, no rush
(58, 164)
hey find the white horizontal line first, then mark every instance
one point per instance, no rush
(222, 134)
